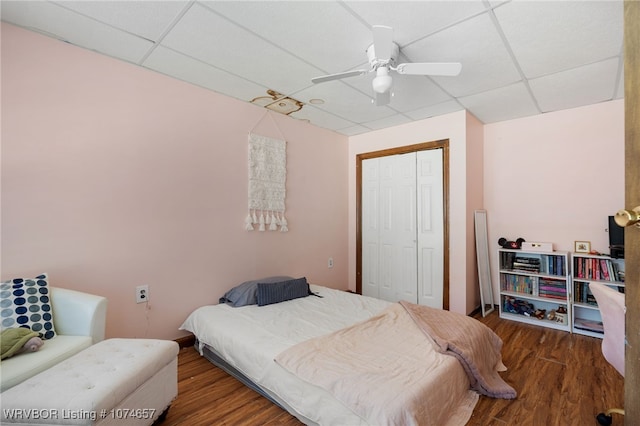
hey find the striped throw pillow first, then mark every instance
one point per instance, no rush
(269, 293)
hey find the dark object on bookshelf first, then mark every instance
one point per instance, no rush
(518, 306)
(504, 243)
(616, 239)
(589, 325)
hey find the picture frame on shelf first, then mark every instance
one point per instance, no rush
(582, 247)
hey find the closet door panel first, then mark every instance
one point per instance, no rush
(407, 284)
(370, 228)
(387, 234)
(370, 270)
(402, 203)
(430, 228)
(404, 227)
(386, 271)
(426, 268)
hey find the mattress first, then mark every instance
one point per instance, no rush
(249, 338)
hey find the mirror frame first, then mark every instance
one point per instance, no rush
(484, 271)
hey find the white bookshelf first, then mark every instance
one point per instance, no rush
(587, 268)
(534, 286)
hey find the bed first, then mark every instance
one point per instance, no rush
(300, 354)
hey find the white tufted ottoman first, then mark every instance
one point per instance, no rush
(116, 381)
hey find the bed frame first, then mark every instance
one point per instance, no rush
(219, 362)
(213, 357)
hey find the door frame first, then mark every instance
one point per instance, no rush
(424, 146)
(632, 199)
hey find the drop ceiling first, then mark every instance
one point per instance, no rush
(519, 58)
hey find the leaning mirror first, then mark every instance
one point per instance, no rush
(482, 253)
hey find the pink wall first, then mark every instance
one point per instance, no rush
(475, 197)
(115, 176)
(453, 127)
(555, 177)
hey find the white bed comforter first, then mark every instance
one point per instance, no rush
(251, 337)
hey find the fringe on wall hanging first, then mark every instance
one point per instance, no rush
(267, 180)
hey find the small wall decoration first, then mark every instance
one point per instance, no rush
(267, 179)
(582, 247)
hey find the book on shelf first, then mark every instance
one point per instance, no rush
(552, 292)
(555, 289)
(518, 284)
(605, 270)
(582, 294)
(599, 269)
(588, 325)
(528, 260)
(560, 267)
(527, 264)
(553, 265)
(506, 259)
(525, 268)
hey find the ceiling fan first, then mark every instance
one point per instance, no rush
(382, 55)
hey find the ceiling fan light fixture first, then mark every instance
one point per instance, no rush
(383, 54)
(382, 82)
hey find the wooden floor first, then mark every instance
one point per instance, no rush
(561, 379)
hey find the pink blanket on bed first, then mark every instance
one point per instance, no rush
(388, 371)
(474, 344)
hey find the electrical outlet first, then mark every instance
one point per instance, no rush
(330, 263)
(142, 293)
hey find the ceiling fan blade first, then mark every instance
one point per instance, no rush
(382, 41)
(430, 68)
(383, 98)
(338, 76)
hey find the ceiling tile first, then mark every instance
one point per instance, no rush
(344, 101)
(148, 19)
(210, 38)
(475, 43)
(301, 28)
(321, 118)
(74, 28)
(354, 130)
(505, 103)
(435, 110)
(576, 87)
(394, 120)
(547, 37)
(412, 20)
(411, 92)
(188, 69)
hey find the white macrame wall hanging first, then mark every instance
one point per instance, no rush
(267, 181)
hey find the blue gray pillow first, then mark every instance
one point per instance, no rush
(26, 302)
(269, 293)
(245, 293)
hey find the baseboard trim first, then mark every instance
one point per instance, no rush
(478, 310)
(186, 341)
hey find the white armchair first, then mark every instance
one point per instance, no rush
(79, 320)
(79, 314)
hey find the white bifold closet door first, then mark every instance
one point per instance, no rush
(403, 228)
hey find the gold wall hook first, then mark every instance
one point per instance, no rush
(628, 217)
